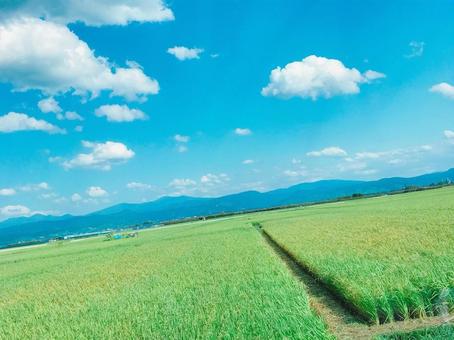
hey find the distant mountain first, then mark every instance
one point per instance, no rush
(35, 218)
(40, 227)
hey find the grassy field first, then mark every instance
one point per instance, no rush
(437, 333)
(201, 280)
(390, 257)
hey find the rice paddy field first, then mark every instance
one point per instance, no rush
(388, 258)
(437, 333)
(207, 280)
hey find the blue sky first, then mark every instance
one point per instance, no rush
(179, 97)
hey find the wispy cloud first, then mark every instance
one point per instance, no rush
(243, 131)
(417, 49)
(332, 151)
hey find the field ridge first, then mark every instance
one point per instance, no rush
(341, 318)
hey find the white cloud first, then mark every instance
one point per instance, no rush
(49, 105)
(43, 186)
(449, 134)
(92, 12)
(120, 113)
(96, 192)
(49, 195)
(295, 173)
(444, 89)
(69, 115)
(182, 183)
(315, 77)
(138, 186)
(41, 55)
(13, 122)
(212, 179)
(76, 197)
(35, 187)
(248, 161)
(354, 166)
(181, 138)
(332, 151)
(208, 184)
(7, 192)
(102, 156)
(369, 155)
(417, 49)
(371, 75)
(392, 154)
(296, 161)
(184, 53)
(15, 211)
(242, 131)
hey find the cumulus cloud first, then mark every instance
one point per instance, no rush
(315, 77)
(181, 139)
(179, 183)
(332, 151)
(40, 55)
(69, 115)
(295, 173)
(102, 156)
(7, 192)
(242, 131)
(35, 187)
(91, 12)
(208, 184)
(96, 192)
(449, 134)
(248, 161)
(14, 122)
(212, 179)
(138, 186)
(49, 105)
(181, 142)
(120, 113)
(444, 89)
(417, 49)
(184, 53)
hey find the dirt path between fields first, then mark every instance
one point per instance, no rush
(339, 318)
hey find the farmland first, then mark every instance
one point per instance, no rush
(204, 280)
(388, 258)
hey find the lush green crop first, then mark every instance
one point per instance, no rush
(390, 257)
(201, 280)
(436, 333)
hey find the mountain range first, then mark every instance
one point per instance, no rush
(42, 227)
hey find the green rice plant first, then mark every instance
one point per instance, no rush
(390, 258)
(199, 280)
(443, 332)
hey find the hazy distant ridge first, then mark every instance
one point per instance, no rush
(170, 208)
